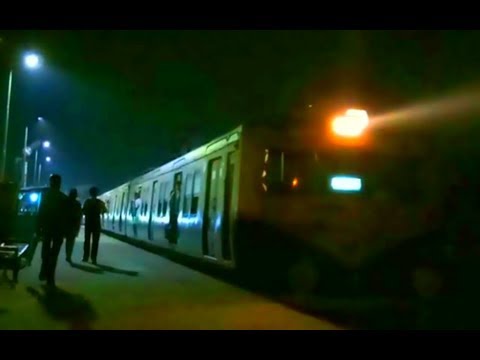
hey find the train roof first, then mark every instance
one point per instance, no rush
(34, 188)
(213, 145)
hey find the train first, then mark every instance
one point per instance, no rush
(326, 208)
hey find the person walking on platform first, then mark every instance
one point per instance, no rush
(93, 209)
(51, 228)
(74, 220)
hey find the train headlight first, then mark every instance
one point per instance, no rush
(352, 124)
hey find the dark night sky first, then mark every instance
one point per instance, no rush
(119, 102)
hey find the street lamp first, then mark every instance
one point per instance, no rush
(31, 61)
(48, 159)
(28, 151)
(45, 145)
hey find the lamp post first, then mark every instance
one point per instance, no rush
(45, 145)
(48, 159)
(31, 61)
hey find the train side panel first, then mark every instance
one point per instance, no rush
(208, 205)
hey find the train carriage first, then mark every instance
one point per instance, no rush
(295, 204)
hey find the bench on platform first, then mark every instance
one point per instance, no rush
(11, 257)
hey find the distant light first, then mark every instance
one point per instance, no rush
(46, 144)
(40, 118)
(48, 159)
(352, 124)
(32, 61)
(310, 105)
(33, 197)
(294, 182)
(346, 183)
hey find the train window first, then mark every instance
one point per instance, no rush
(305, 172)
(187, 195)
(160, 198)
(166, 195)
(177, 178)
(118, 210)
(145, 200)
(273, 171)
(197, 178)
(108, 205)
(299, 172)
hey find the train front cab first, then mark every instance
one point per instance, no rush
(319, 217)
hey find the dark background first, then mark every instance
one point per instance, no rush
(120, 102)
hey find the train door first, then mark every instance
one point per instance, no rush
(153, 209)
(229, 208)
(212, 212)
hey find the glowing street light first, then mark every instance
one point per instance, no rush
(48, 159)
(46, 144)
(31, 61)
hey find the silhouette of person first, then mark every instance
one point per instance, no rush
(93, 209)
(51, 227)
(8, 199)
(74, 220)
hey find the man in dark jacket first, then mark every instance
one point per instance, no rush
(93, 209)
(74, 220)
(51, 227)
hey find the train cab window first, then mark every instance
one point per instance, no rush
(187, 196)
(312, 173)
(197, 178)
(300, 172)
(277, 171)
